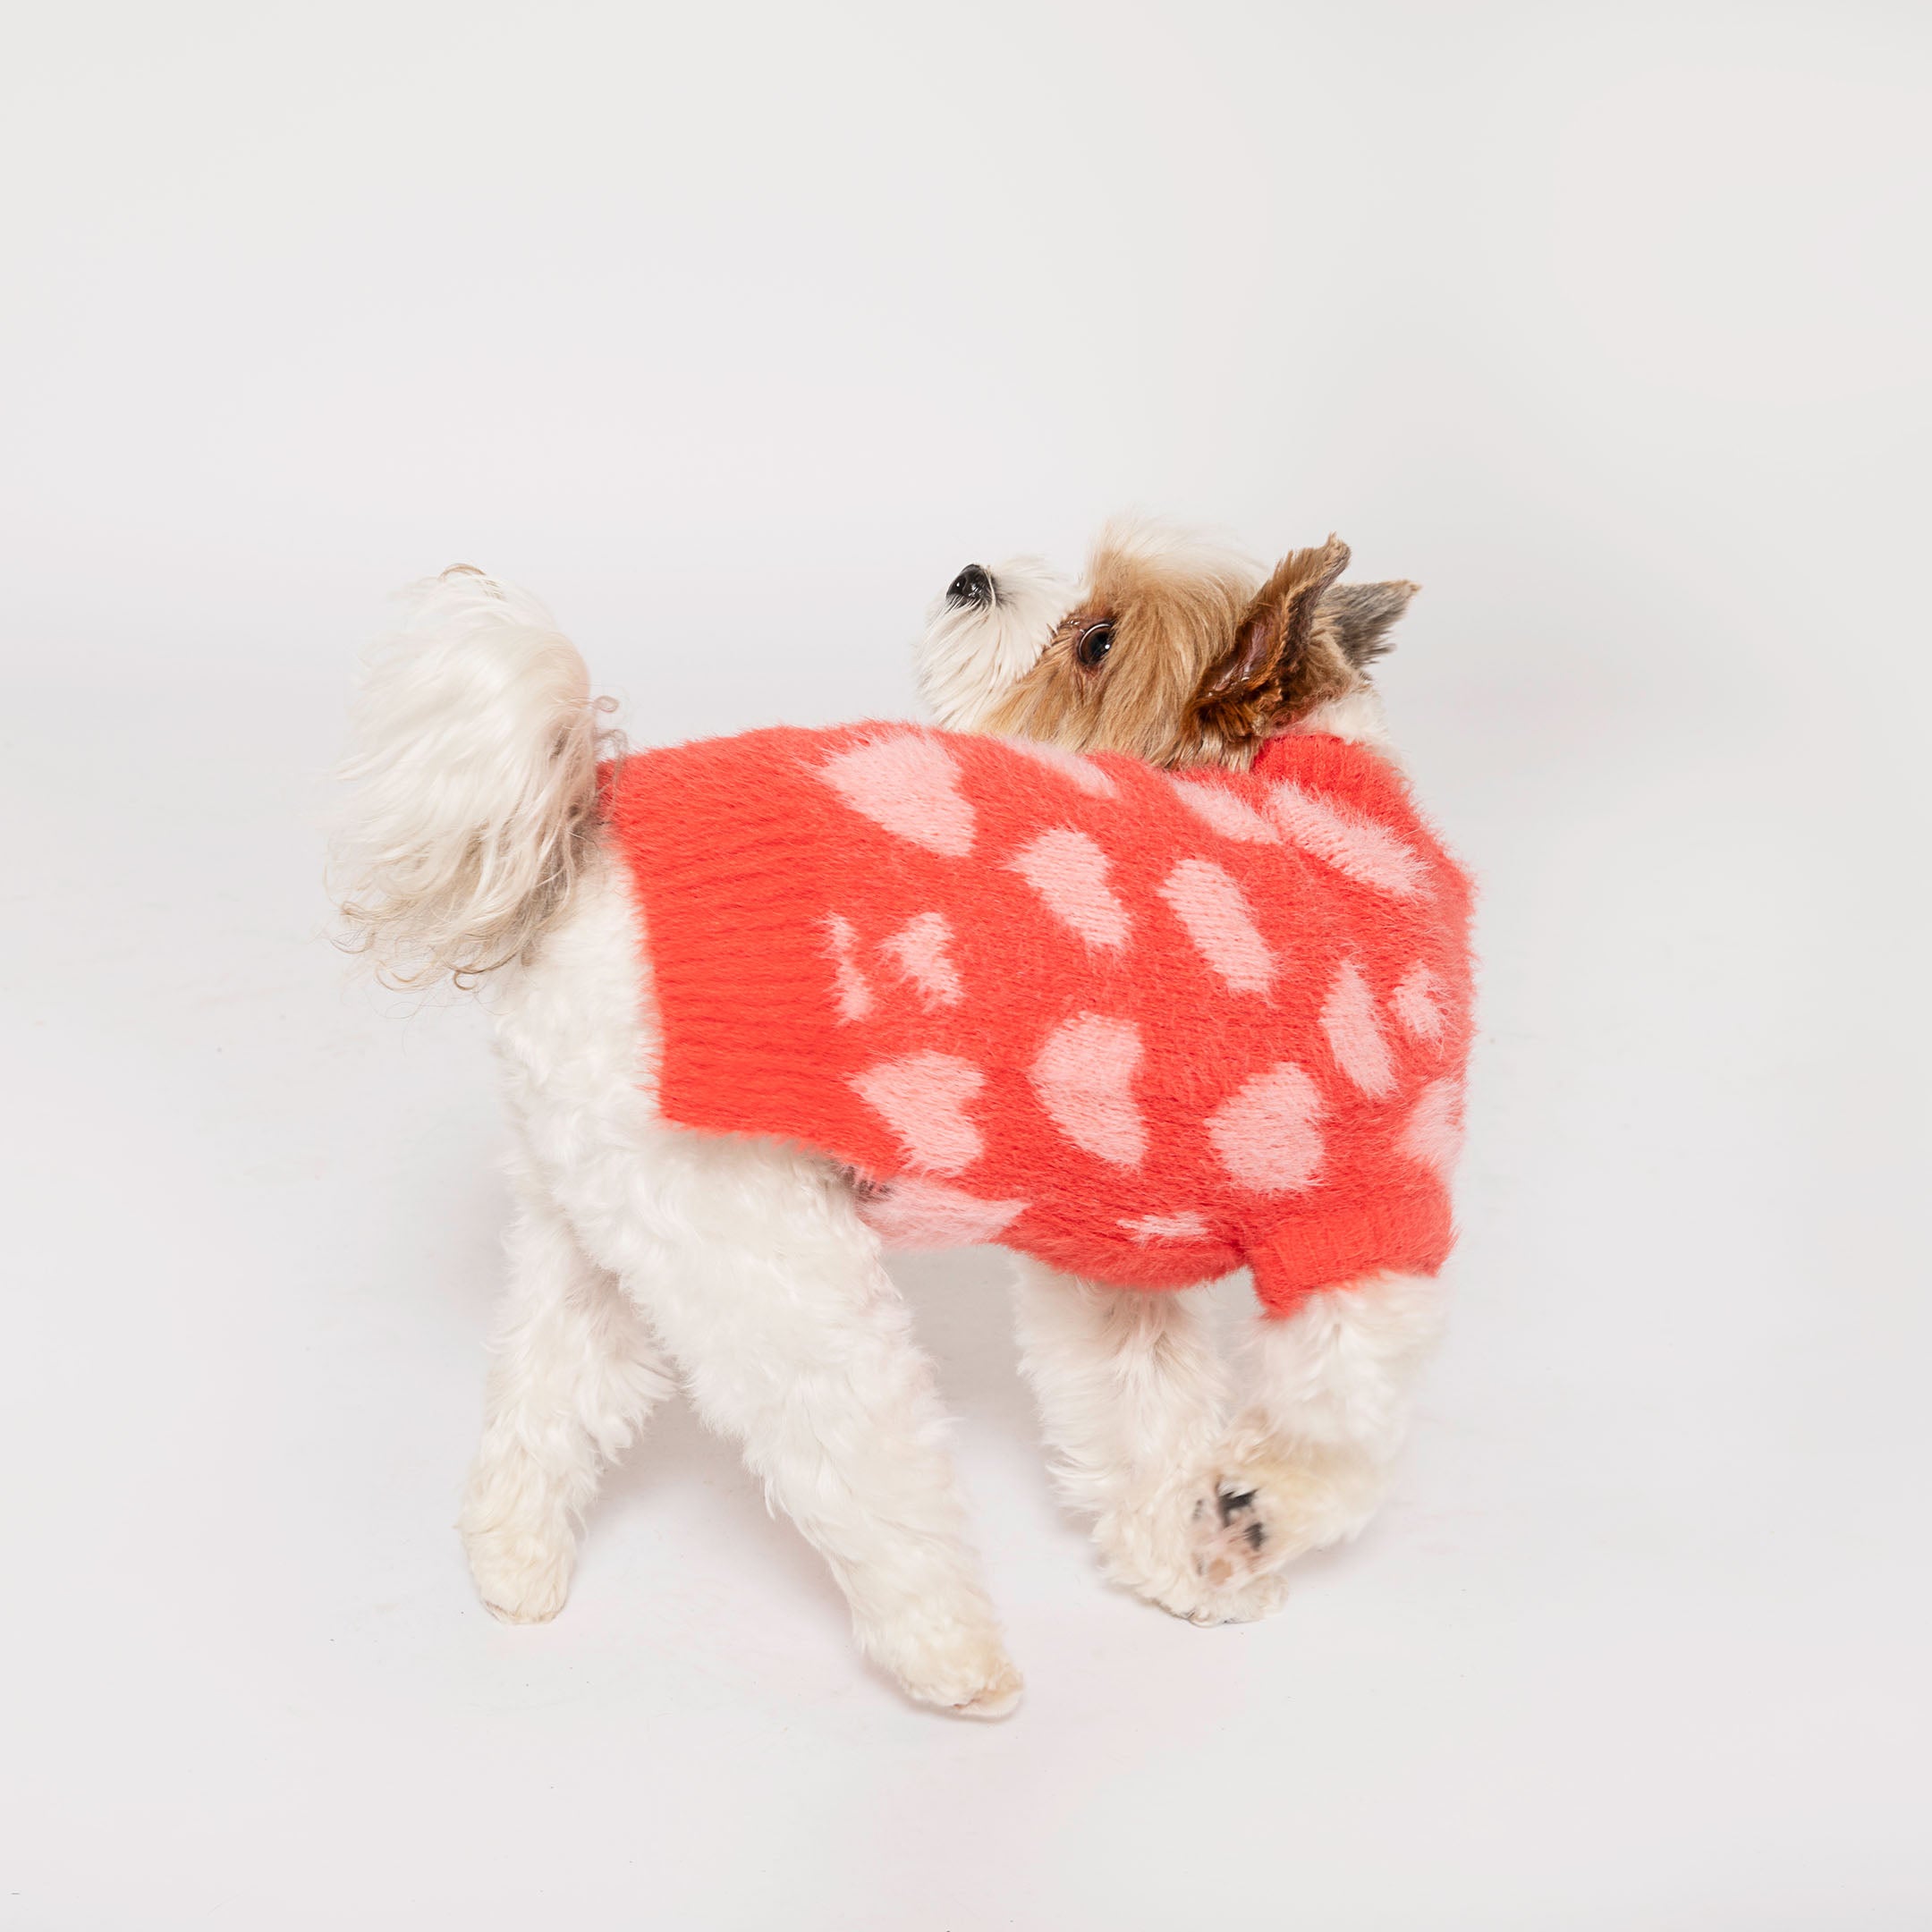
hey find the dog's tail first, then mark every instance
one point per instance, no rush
(474, 807)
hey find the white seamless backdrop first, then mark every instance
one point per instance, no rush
(735, 332)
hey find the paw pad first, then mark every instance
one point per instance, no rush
(1241, 1537)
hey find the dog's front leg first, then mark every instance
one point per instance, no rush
(1310, 1460)
(1132, 1400)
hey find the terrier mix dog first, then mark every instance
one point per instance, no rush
(1142, 963)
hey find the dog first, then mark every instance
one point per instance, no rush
(676, 1223)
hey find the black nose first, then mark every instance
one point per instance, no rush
(971, 586)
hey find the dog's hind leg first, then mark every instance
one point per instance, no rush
(754, 1272)
(574, 1374)
(767, 1290)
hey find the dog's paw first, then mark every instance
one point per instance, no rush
(1151, 1547)
(1246, 1602)
(1211, 1550)
(1237, 1530)
(1182, 1592)
(1271, 1504)
(980, 1681)
(521, 1579)
(998, 1696)
(962, 1668)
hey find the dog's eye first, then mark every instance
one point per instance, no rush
(1094, 644)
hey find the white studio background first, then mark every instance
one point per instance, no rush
(735, 332)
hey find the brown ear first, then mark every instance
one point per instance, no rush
(1243, 690)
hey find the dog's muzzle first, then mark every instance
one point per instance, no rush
(971, 586)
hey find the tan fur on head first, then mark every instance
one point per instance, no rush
(1178, 652)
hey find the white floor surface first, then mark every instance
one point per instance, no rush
(1640, 1643)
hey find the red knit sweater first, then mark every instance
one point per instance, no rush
(1147, 1025)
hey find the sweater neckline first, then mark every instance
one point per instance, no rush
(1274, 757)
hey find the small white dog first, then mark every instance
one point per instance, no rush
(480, 844)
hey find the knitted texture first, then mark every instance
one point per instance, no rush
(1147, 1025)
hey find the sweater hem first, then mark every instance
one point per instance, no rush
(1411, 1234)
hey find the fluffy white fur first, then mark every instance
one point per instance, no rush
(642, 1252)
(969, 655)
(475, 779)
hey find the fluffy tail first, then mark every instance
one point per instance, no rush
(475, 775)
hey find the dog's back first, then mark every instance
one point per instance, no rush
(1148, 1027)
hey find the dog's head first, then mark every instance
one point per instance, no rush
(1172, 649)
